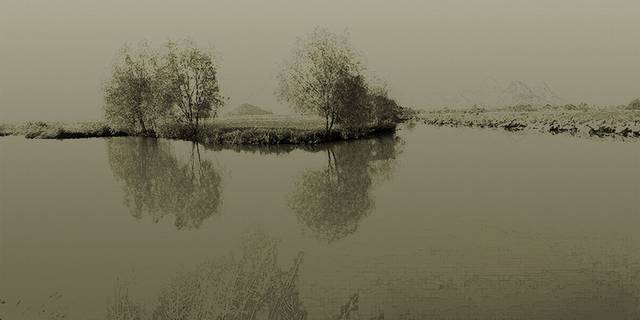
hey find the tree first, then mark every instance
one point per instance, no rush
(131, 94)
(311, 78)
(635, 104)
(353, 102)
(190, 83)
(384, 109)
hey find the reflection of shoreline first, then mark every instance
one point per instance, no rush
(332, 201)
(156, 184)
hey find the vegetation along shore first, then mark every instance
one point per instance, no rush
(581, 120)
(174, 92)
(254, 130)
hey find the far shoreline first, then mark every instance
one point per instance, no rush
(603, 122)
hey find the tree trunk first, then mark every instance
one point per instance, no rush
(331, 124)
(196, 127)
(326, 122)
(142, 126)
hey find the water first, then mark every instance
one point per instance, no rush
(434, 223)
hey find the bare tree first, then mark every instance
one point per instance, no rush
(310, 79)
(191, 83)
(130, 94)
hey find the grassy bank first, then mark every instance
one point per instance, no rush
(58, 130)
(254, 130)
(588, 122)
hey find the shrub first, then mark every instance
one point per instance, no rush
(522, 108)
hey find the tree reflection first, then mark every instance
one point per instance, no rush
(157, 184)
(332, 201)
(252, 286)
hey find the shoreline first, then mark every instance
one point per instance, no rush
(216, 133)
(599, 123)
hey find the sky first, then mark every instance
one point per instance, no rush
(55, 55)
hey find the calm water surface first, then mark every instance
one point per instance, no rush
(434, 223)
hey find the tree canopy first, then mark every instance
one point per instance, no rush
(311, 78)
(324, 76)
(131, 95)
(191, 83)
(148, 87)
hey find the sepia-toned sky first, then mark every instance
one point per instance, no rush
(55, 55)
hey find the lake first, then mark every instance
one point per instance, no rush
(432, 223)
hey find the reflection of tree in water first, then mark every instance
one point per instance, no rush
(332, 201)
(157, 184)
(252, 286)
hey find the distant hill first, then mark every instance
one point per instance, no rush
(247, 109)
(518, 92)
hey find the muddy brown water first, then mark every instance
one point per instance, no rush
(434, 223)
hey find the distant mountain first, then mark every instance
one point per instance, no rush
(518, 92)
(492, 94)
(545, 92)
(247, 109)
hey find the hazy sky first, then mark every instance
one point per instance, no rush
(55, 55)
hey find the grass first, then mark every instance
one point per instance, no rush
(57, 130)
(269, 121)
(269, 130)
(580, 121)
(236, 130)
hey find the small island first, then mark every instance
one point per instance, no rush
(173, 92)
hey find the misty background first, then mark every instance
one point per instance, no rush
(55, 55)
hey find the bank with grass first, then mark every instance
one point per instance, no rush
(258, 130)
(602, 122)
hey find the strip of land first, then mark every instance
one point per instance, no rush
(587, 122)
(254, 130)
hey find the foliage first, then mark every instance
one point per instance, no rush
(222, 132)
(601, 122)
(7, 129)
(131, 95)
(521, 108)
(324, 77)
(385, 110)
(477, 109)
(310, 80)
(190, 83)
(352, 101)
(148, 88)
(214, 134)
(54, 130)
